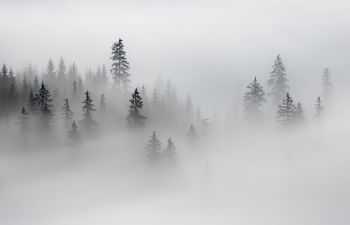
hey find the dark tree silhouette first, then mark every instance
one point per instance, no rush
(88, 107)
(67, 113)
(299, 113)
(74, 134)
(102, 103)
(120, 65)
(319, 108)
(169, 153)
(192, 136)
(254, 100)
(153, 149)
(134, 117)
(327, 84)
(278, 81)
(23, 122)
(287, 111)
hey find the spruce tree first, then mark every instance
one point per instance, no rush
(319, 108)
(88, 107)
(31, 102)
(23, 122)
(134, 117)
(120, 65)
(50, 71)
(254, 100)
(44, 107)
(299, 114)
(67, 113)
(61, 71)
(169, 153)
(278, 81)
(74, 134)
(153, 149)
(102, 103)
(327, 83)
(192, 136)
(287, 111)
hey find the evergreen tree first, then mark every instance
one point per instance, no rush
(31, 102)
(134, 117)
(102, 103)
(192, 136)
(88, 107)
(120, 65)
(278, 81)
(327, 83)
(12, 93)
(61, 73)
(254, 100)
(23, 122)
(169, 153)
(287, 111)
(73, 72)
(36, 84)
(50, 71)
(153, 149)
(75, 90)
(319, 108)
(74, 134)
(43, 103)
(299, 116)
(67, 113)
(25, 88)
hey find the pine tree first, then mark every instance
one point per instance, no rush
(36, 84)
(192, 136)
(134, 117)
(25, 88)
(327, 83)
(61, 73)
(153, 149)
(299, 114)
(23, 122)
(319, 108)
(287, 111)
(50, 71)
(74, 134)
(31, 102)
(44, 107)
(67, 113)
(75, 90)
(73, 72)
(169, 153)
(102, 103)
(120, 65)
(278, 81)
(88, 107)
(254, 100)
(12, 93)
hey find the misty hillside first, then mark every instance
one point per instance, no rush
(168, 113)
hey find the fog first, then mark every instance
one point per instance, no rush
(187, 134)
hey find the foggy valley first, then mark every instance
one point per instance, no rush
(198, 112)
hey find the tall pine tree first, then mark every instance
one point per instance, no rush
(153, 149)
(278, 81)
(287, 111)
(120, 65)
(254, 100)
(319, 108)
(88, 107)
(134, 117)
